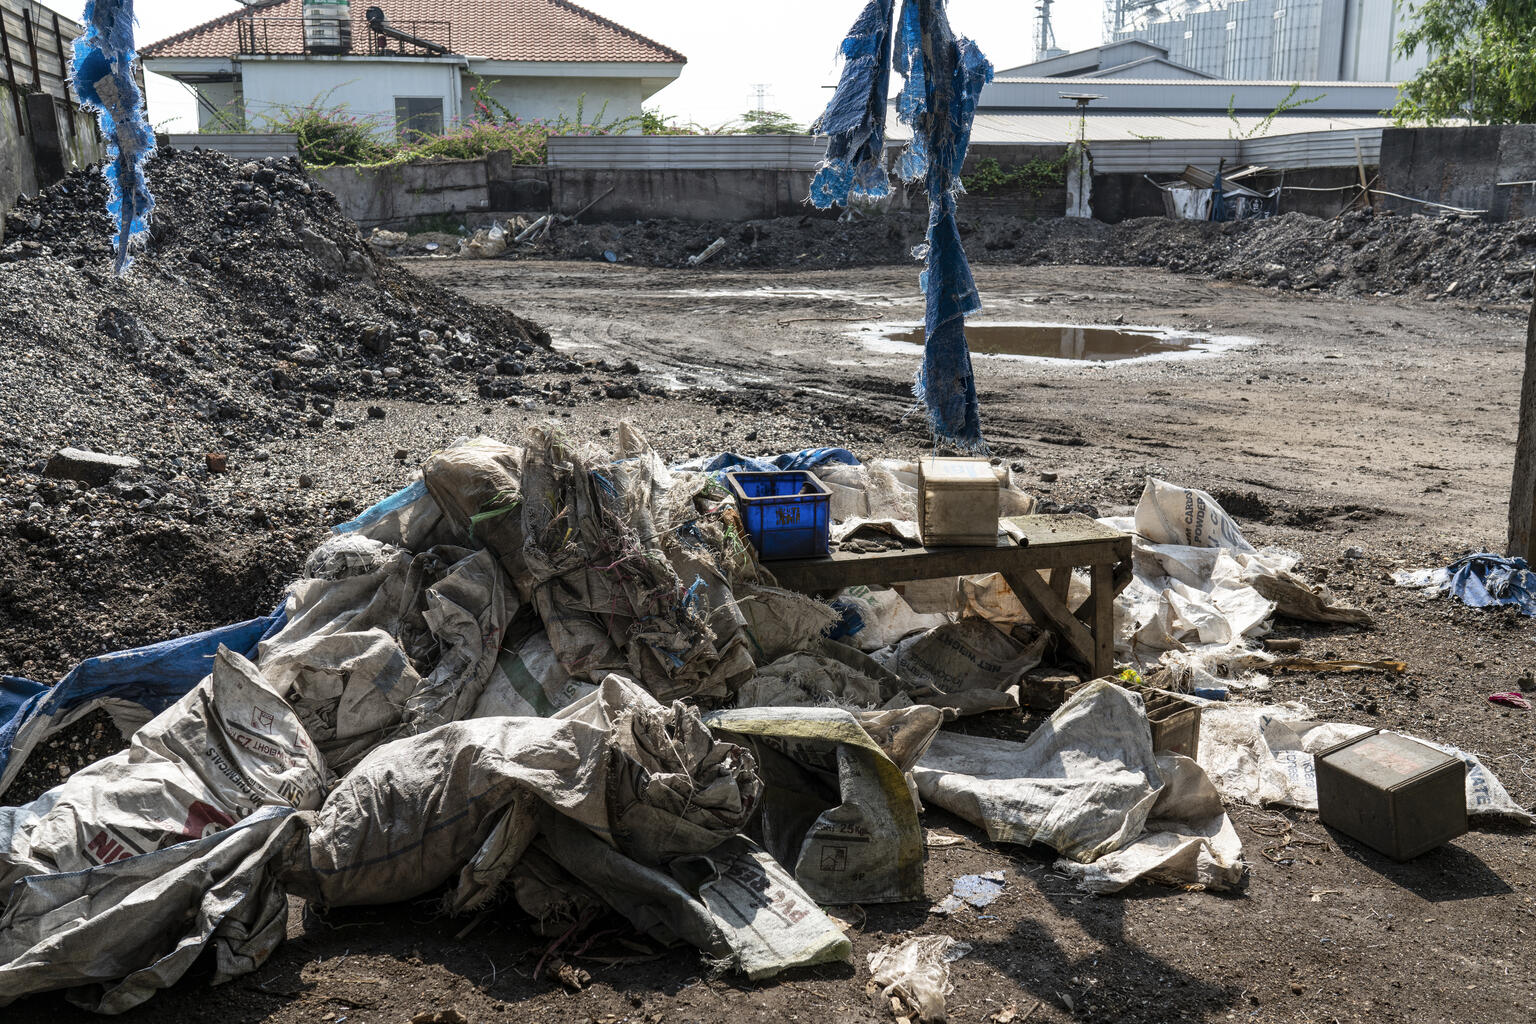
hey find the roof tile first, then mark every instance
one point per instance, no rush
(531, 30)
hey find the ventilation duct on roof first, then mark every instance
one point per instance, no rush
(379, 27)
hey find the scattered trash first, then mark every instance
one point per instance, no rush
(1511, 699)
(976, 890)
(936, 840)
(1481, 580)
(914, 976)
(485, 244)
(708, 251)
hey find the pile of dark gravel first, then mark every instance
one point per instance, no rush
(1365, 252)
(255, 322)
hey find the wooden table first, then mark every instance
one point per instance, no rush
(1058, 543)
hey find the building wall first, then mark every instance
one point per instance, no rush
(365, 87)
(219, 108)
(1462, 167)
(602, 100)
(1205, 42)
(1250, 25)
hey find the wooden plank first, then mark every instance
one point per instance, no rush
(1061, 583)
(1049, 613)
(10, 77)
(1103, 601)
(1522, 492)
(851, 570)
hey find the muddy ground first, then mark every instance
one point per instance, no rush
(1386, 425)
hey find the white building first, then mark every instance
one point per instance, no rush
(417, 68)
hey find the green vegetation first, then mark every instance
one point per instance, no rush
(762, 122)
(1287, 103)
(1482, 62)
(990, 177)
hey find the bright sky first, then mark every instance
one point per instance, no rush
(787, 46)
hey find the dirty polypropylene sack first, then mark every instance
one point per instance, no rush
(114, 934)
(485, 244)
(916, 973)
(1199, 584)
(969, 665)
(528, 679)
(224, 751)
(1264, 755)
(1083, 784)
(595, 547)
(1189, 840)
(876, 617)
(415, 811)
(132, 686)
(836, 808)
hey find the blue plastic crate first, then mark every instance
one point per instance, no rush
(787, 514)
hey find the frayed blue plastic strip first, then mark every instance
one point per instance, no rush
(855, 119)
(103, 79)
(944, 78)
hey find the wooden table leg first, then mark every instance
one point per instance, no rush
(1103, 601)
(1050, 612)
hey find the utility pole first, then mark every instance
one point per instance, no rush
(761, 88)
(1522, 491)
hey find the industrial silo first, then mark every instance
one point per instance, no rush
(1250, 39)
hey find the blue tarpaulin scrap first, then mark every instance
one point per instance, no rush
(103, 79)
(1481, 580)
(153, 677)
(944, 76)
(809, 458)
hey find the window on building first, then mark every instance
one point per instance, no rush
(418, 116)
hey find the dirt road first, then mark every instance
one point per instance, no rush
(1383, 425)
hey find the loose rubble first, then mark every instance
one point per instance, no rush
(1363, 252)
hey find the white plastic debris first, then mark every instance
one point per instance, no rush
(916, 973)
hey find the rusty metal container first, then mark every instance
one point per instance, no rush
(1396, 795)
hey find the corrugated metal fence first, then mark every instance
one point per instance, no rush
(803, 152)
(34, 54)
(687, 152)
(240, 145)
(1279, 152)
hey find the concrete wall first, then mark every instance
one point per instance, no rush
(1461, 167)
(365, 86)
(222, 107)
(43, 145)
(407, 193)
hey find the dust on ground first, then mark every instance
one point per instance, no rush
(1386, 425)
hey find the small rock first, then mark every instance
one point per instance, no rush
(342, 424)
(218, 462)
(376, 412)
(1048, 477)
(401, 454)
(306, 355)
(391, 372)
(306, 481)
(426, 337)
(1353, 552)
(94, 468)
(621, 391)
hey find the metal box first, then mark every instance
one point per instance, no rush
(957, 502)
(1395, 795)
(1173, 718)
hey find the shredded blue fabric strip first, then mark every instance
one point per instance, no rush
(102, 75)
(855, 119)
(944, 76)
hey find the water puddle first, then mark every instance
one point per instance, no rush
(1076, 342)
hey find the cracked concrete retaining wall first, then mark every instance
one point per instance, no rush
(1462, 167)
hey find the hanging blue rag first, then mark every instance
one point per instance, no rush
(103, 79)
(944, 76)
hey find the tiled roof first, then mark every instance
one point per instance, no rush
(531, 30)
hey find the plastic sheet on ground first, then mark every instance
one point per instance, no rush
(1264, 755)
(916, 974)
(877, 617)
(836, 807)
(1087, 784)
